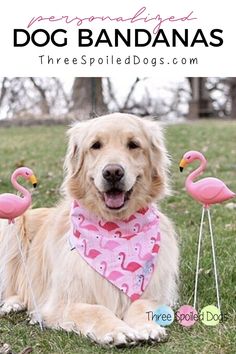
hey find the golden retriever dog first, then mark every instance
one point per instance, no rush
(115, 165)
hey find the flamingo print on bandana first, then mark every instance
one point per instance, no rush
(124, 252)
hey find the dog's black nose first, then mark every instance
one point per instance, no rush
(113, 172)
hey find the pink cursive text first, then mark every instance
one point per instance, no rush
(140, 16)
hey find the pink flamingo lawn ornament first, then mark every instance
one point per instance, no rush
(207, 191)
(12, 205)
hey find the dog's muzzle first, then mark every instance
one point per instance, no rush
(113, 173)
(114, 194)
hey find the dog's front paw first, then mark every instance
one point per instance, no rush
(120, 336)
(12, 304)
(151, 331)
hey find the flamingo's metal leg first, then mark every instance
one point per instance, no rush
(198, 258)
(214, 259)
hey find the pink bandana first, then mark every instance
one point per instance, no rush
(124, 252)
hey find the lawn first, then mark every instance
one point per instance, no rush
(42, 149)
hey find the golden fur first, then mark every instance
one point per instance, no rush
(70, 294)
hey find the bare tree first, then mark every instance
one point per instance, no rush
(44, 105)
(149, 104)
(223, 95)
(31, 97)
(46, 98)
(87, 97)
(232, 95)
(200, 104)
(130, 104)
(3, 90)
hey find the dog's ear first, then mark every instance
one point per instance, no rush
(75, 155)
(160, 161)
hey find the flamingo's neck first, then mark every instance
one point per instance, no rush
(193, 175)
(118, 233)
(139, 250)
(85, 247)
(82, 219)
(105, 267)
(26, 194)
(100, 243)
(126, 287)
(123, 259)
(142, 283)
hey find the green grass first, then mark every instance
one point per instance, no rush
(43, 148)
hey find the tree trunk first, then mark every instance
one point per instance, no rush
(87, 97)
(232, 93)
(44, 106)
(200, 105)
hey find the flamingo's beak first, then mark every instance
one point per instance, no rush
(33, 180)
(182, 164)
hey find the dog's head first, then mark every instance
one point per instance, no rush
(116, 164)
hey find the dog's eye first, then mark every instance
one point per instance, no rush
(133, 145)
(96, 146)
